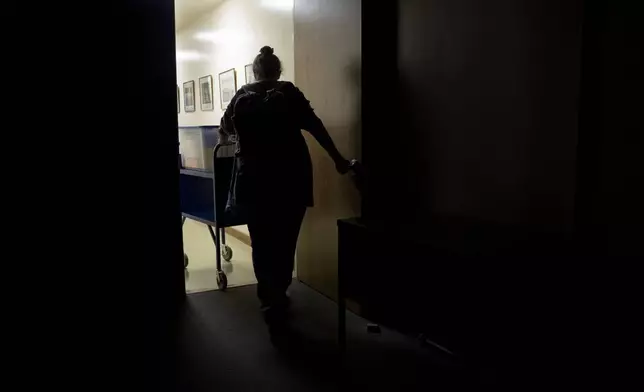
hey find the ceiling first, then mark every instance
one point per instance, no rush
(186, 11)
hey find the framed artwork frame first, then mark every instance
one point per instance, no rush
(205, 93)
(250, 75)
(178, 100)
(189, 96)
(227, 87)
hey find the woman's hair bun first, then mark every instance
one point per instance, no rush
(266, 50)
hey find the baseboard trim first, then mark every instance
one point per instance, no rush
(241, 236)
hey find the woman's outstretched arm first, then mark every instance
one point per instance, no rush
(310, 122)
(321, 135)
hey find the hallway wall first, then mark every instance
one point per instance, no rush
(230, 36)
(327, 54)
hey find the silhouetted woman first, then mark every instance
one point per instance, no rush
(267, 116)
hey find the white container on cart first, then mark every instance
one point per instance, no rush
(196, 146)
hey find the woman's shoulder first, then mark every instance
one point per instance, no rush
(250, 87)
(257, 86)
(292, 91)
(285, 85)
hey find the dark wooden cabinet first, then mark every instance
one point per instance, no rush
(474, 288)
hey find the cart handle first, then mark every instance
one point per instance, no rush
(220, 145)
(230, 142)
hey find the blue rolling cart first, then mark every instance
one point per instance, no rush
(203, 195)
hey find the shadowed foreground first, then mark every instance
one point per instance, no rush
(224, 345)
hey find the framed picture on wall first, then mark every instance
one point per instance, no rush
(178, 100)
(250, 76)
(227, 87)
(205, 92)
(189, 96)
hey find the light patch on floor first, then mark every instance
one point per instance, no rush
(202, 272)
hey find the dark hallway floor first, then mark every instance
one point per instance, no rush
(224, 345)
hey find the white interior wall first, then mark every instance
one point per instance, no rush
(230, 36)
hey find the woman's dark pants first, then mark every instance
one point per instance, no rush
(274, 231)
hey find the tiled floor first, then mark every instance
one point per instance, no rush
(201, 272)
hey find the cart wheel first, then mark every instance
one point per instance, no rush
(222, 281)
(227, 253)
(185, 260)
